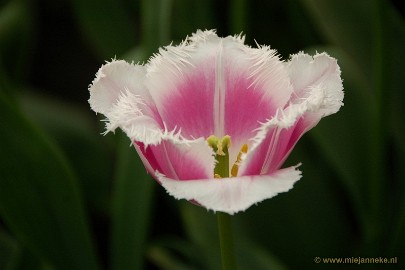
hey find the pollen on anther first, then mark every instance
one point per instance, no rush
(235, 167)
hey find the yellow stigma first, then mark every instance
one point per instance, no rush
(219, 144)
(235, 167)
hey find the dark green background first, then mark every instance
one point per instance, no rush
(71, 198)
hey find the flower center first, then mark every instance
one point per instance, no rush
(221, 149)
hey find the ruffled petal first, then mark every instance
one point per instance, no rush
(318, 92)
(258, 85)
(178, 158)
(119, 93)
(217, 86)
(320, 71)
(114, 79)
(181, 80)
(270, 151)
(232, 195)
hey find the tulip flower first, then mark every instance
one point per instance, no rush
(213, 120)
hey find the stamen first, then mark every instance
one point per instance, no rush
(235, 167)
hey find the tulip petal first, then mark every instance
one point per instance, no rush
(321, 70)
(217, 86)
(119, 93)
(232, 195)
(114, 79)
(178, 159)
(318, 92)
(255, 99)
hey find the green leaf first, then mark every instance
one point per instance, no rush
(76, 132)
(132, 199)
(238, 16)
(396, 79)
(136, 55)
(252, 256)
(396, 228)
(309, 220)
(14, 256)
(201, 228)
(164, 260)
(39, 198)
(347, 25)
(133, 187)
(156, 24)
(197, 14)
(341, 136)
(9, 251)
(372, 34)
(107, 25)
(17, 27)
(172, 253)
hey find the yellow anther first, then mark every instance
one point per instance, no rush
(243, 150)
(235, 167)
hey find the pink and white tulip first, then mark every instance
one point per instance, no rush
(207, 86)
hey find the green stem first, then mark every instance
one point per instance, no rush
(221, 170)
(238, 22)
(156, 21)
(226, 241)
(377, 168)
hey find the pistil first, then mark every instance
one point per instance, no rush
(221, 149)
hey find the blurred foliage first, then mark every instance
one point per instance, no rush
(73, 199)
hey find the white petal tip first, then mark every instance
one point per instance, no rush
(232, 195)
